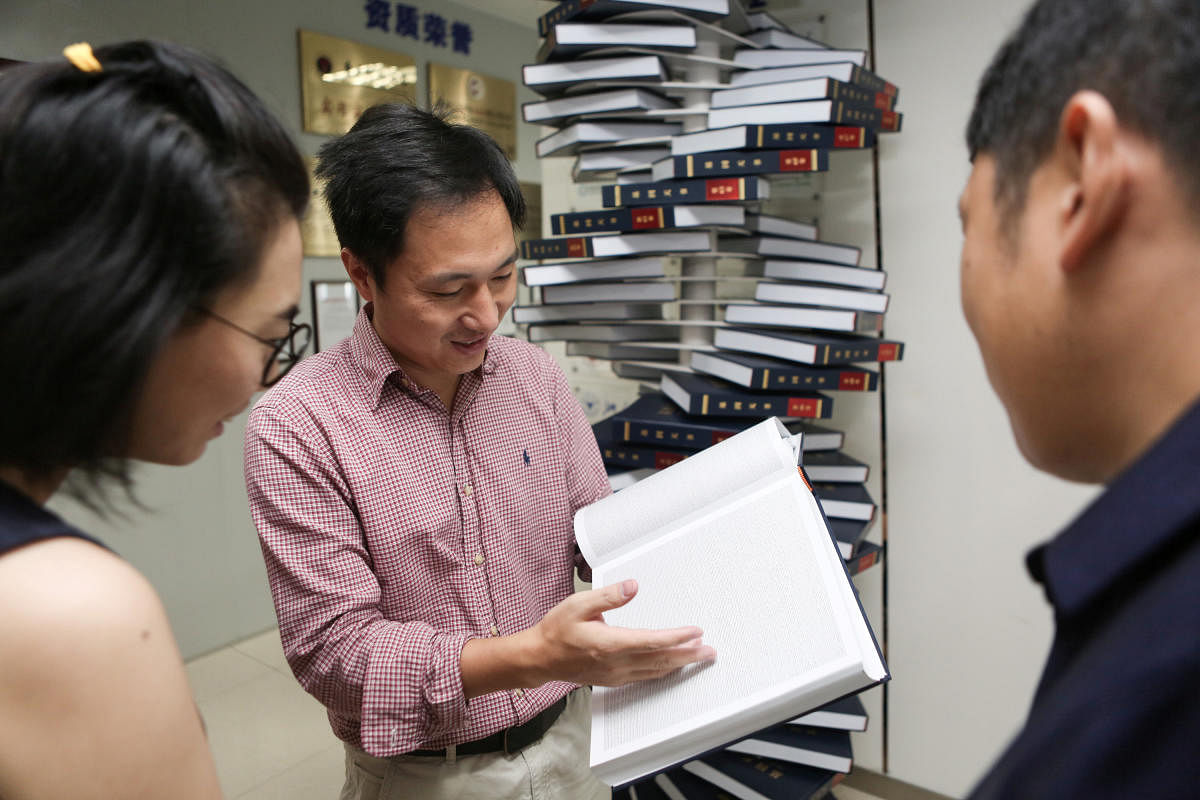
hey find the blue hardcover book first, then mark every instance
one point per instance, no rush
(834, 467)
(808, 348)
(845, 500)
(869, 554)
(712, 190)
(846, 714)
(729, 163)
(822, 748)
(772, 137)
(740, 774)
(617, 453)
(655, 419)
(702, 395)
(644, 218)
(773, 374)
(849, 534)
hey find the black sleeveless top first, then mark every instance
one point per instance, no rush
(23, 521)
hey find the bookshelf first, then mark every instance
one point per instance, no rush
(843, 201)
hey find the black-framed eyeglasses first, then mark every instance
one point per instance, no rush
(285, 351)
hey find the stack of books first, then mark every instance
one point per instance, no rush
(685, 112)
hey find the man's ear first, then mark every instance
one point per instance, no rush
(1097, 172)
(359, 274)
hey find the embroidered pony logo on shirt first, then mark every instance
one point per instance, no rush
(525, 456)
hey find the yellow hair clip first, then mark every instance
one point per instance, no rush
(82, 57)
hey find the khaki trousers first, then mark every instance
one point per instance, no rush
(553, 768)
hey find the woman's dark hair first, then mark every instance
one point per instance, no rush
(398, 159)
(129, 196)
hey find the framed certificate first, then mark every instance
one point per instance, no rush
(335, 306)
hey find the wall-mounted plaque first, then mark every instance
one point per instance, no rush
(316, 229)
(340, 79)
(480, 101)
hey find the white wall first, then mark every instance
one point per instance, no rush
(968, 629)
(197, 544)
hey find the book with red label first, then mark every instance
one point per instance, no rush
(705, 396)
(644, 218)
(714, 190)
(771, 374)
(773, 137)
(639, 456)
(655, 419)
(808, 348)
(625, 244)
(805, 89)
(740, 162)
(868, 555)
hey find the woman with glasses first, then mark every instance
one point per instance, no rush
(149, 275)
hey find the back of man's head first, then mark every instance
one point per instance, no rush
(397, 160)
(1142, 55)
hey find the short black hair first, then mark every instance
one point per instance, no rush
(398, 159)
(130, 196)
(1142, 55)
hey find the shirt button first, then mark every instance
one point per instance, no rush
(519, 692)
(495, 631)
(467, 490)
(479, 558)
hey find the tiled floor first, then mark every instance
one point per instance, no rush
(270, 739)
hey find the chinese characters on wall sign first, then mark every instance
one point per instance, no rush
(429, 27)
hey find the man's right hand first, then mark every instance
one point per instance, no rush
(573, 643)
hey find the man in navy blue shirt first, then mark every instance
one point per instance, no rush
(1081, 283)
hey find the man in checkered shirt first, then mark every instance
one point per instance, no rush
(414, 487)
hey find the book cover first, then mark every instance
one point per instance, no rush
(850, 534)
(785, 247)
(796, 57)
(646, 218)
(822, 272)
(847, 714)
(570, 139)
(808, 348)
(740, 162)
(566, 39)
(702, 395)
(638, 456)
(773, 137)
(712, 540)
(600, 332)
(655, 419)
(545, 78)
(799, 90)
(771, 374)
(835, 467)
(845, 500)
(824, 319)
(715, 190)
(823, 748)
(838, 112)
(769, 225)
(611, 291)
(752, 777)
(869, 554)
(616, 245)
(574, 312)
(825, 296)
(602, 269)
(614, 100)
(840, 70)
(637, 351)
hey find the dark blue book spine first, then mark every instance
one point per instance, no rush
(617, 220)
(716, 190)
(622, 454)
(749, 162)
(571, 247)
(777, 379)
(779, 137)
(672, 434)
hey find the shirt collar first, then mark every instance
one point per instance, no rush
(1139, 514)
(379, 366)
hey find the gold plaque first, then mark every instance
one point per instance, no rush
(340, 79)
(480, 101)
(316, 229)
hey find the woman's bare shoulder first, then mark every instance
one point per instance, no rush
(90, 672)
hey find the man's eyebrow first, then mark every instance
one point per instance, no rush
(447, 277)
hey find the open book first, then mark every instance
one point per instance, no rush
(731, 540)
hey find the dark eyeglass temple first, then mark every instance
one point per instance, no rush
(287, 353)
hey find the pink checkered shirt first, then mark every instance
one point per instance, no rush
(394, 531)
